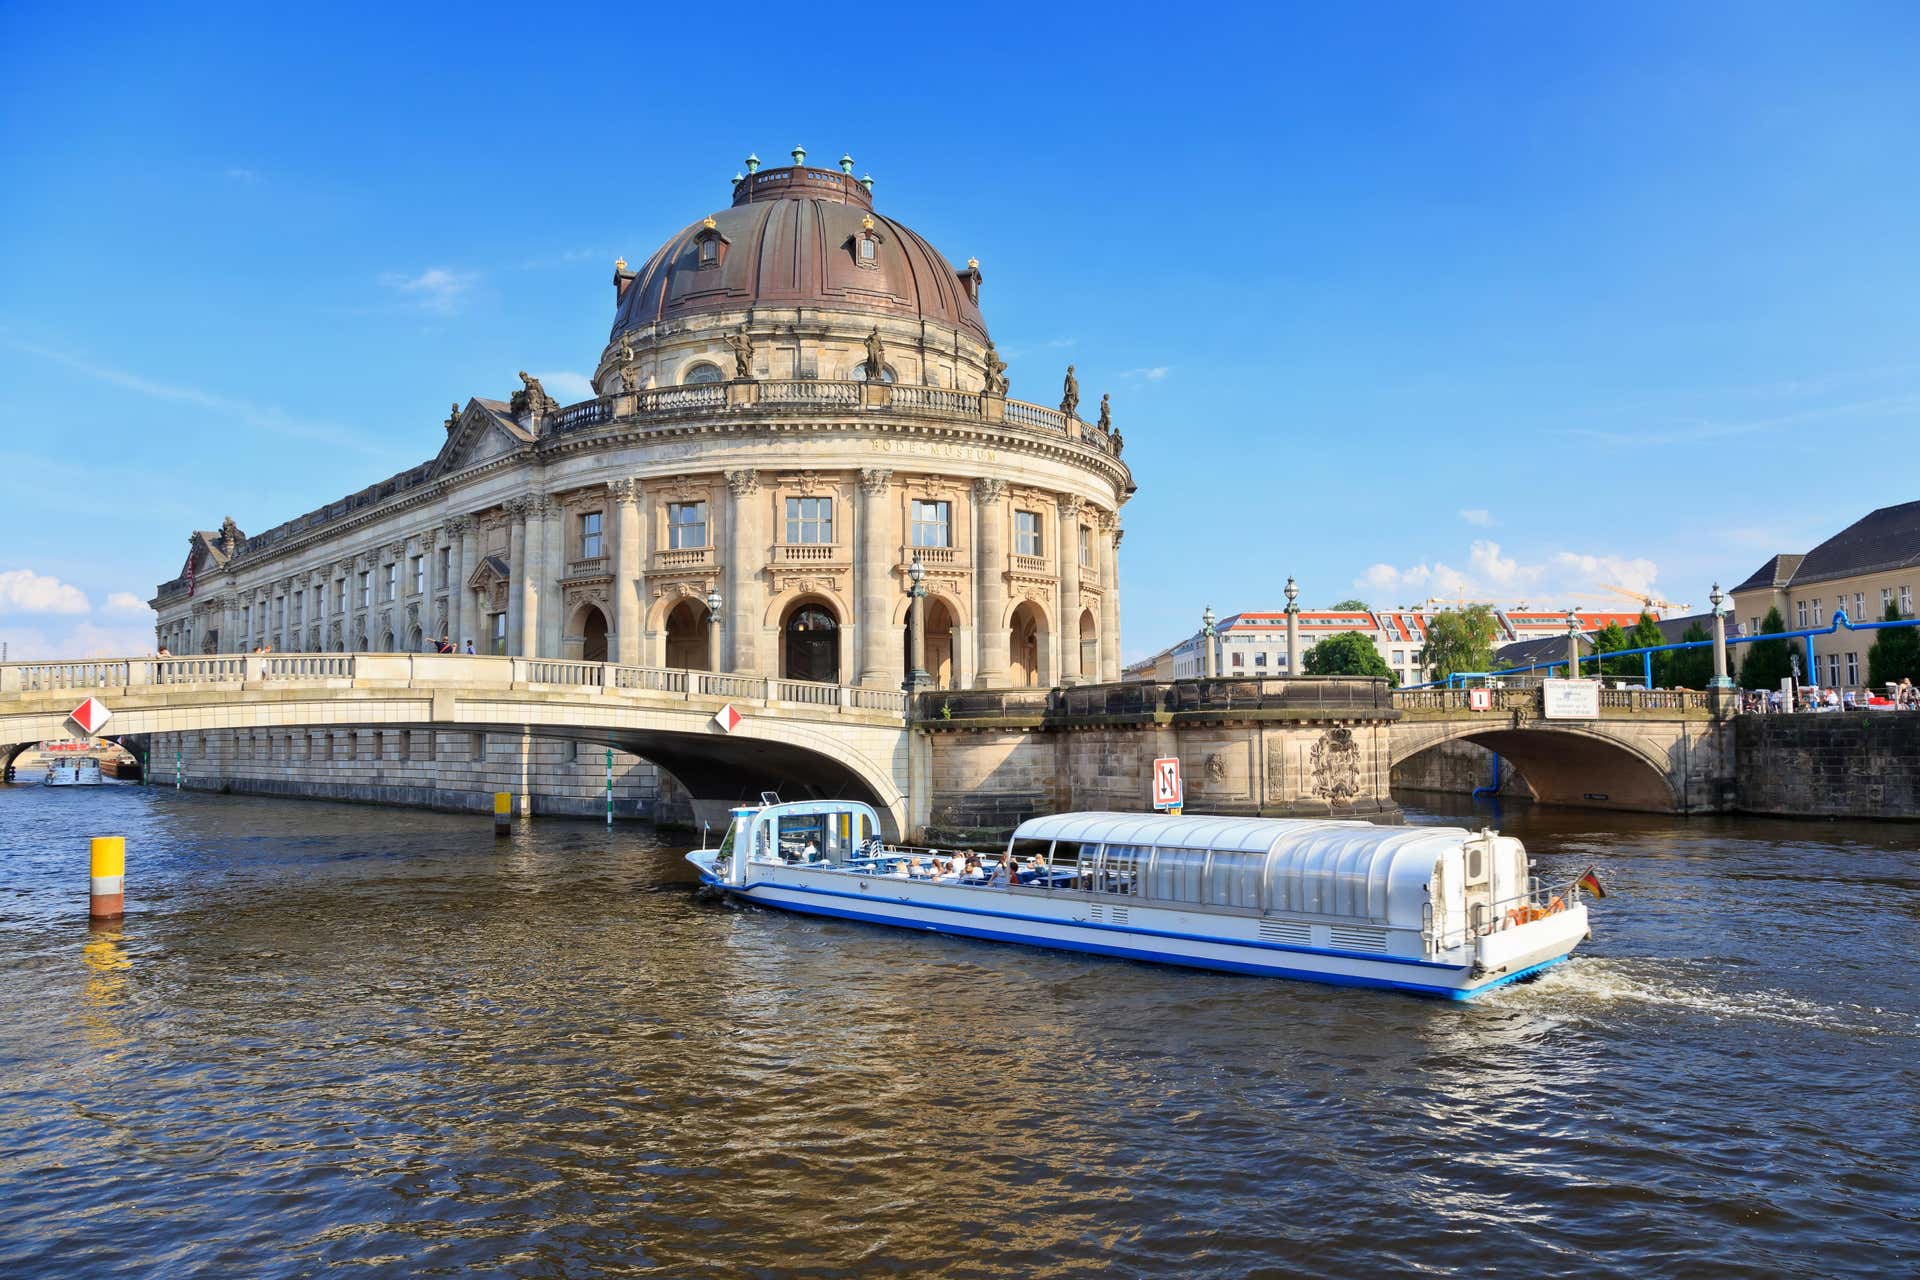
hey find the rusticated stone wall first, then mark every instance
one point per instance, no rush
(1280, 748)
(1854, 765)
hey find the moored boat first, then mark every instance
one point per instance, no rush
(1436, 910)
(75, 771)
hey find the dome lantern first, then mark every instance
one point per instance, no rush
(799, 157)
(752, 162)
(846, 164)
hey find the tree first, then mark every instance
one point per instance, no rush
(1766, 662)
(1348, 654)
(1646, 634)
(1460, 640)
(1689, 668)
(1895, 654)
(1353, 606)
(1607, 640)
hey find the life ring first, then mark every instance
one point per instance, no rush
(1556, 905)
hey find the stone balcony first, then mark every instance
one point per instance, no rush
(681, 559)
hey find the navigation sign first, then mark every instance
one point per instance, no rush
(1570, 699)
(1479, 699)
(727, 718)
(1167, 792)
(90, 715)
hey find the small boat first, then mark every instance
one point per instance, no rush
(1436, 910)
(74, 771)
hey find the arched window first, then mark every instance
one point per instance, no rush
(700, 373)
(861, 374)
(812, 644)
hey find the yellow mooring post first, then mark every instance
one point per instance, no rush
(108, 897)
(502, 812)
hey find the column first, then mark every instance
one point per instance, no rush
(468, 549)
(553, 599)
(740, 613)
(517, 601)
(1110, 597)
(875, 578)
(627, 571)
(990, 499)
(1293, 639)
(454, 583)
(1069, 609)
(534, 598)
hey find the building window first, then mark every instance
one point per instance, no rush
(686, 525)
(809, 521)
(1399, 657)
(864, 374)
(499, 630)
(1086, 547)
(246, 619)
(299, 598)
(1853, 668)
(869, 251)
(419, 575)
(1859, 605)
(709, 251)
(366, 589)
(932, 524)
(446, 565)
(1800, 614)
(1259, 659)
(1239, 658)
(1833, 671)
(280, 611)
(1886, 598)
(1818, 613)
(702, 373)
(1026, 533)
(589, 535)
(393, 580)
(1906, 600)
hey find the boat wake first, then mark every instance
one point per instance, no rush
(1691, 987)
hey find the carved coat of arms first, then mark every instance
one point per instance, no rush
(1336, 766)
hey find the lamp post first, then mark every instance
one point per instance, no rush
(713, 628)
(917, 679)
(1209, 664)
(1293, 627)
(1573, 645)
(1720, 678)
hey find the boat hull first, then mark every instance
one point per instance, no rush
(1064, 924)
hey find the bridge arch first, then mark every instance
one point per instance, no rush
(1569, 763)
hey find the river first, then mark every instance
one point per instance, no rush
(374, 1039)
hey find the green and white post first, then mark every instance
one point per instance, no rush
(609, 786)
(176, 768)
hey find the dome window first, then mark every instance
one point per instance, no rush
(709, 246)
(701, 373)
(865, 245)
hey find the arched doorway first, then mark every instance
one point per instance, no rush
(593, 635)
(810, 643)
(1027, 647)
(1089, 647)
(386, 646)
(416, 643)
(940, 668)
(688, 637)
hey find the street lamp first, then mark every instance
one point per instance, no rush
(917, 678)
(1208, 664)
(713, 621)
(1293, 627)
(1573, 645)
(1720, 678)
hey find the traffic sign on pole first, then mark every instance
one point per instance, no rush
(1167, 790)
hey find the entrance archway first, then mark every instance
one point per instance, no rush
(1027, 647)
(1089, 641)
(940, 655)
(689, 637)
(810, 643)
(593, 635)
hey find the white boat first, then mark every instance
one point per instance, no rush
(1437, 910)
(76, 771)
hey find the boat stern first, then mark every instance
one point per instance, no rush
(1519, 949)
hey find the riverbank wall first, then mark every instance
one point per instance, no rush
(1843, 765)
(421, 768)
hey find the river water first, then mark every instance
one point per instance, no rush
(373, 1039)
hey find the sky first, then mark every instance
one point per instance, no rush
(1487, 301)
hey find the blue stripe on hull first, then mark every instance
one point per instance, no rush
(1135, 953)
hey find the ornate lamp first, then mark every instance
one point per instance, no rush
(1293, 595)
(1721, 605)
(846, 164)
(917, 625)
(713, 606)
(1207, 632)
(799, 156)
(752, 162)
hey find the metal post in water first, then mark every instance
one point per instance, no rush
(502, 813)
(107, 895)
(609, 786)
(176, 768)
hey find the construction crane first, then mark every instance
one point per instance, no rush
(1649, 601)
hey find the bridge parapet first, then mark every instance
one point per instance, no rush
(1530, 703)
(1159, 701)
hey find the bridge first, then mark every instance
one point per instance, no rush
(794, 736)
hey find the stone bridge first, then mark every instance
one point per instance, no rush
(796, 737)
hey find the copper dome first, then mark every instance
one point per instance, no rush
(799, 237)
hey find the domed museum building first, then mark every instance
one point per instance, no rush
(799, 398)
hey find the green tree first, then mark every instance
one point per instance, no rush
(1895, 654)
(1646, 633)
(1461, 640)
(1689, 668)
(1358, 606)
(1607, 640)
(1766, 662)
(1348, 654)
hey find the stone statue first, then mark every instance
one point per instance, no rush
(1106, 414)
(626, 379)
(1116, 444)
(1070, 398)
(996, 372)
(876, 357)
(453, 418)
(229, 535)
(742, 344)
(532, 396)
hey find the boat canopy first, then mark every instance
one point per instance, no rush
(1338, 868)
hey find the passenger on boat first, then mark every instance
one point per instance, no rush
(810, 851)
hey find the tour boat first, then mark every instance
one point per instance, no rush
(1436, 910)
(75, 771)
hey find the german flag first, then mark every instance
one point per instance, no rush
(1591, 883)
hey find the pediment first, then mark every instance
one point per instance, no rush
(491, 571)
(483, 431)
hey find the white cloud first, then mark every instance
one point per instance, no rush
(1154, 374)
(1491, 575)
(24, 591)
(247, 176)
(437, 289)
(566, 387)
(1477, 515)
(79, 640)
(125, 602)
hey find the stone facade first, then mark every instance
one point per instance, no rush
(1864, 765)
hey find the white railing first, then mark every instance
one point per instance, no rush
(806, 553)
(807, 692)
(942, 399)
(705, 395)
(550, 671)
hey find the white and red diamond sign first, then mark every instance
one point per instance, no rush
(726, 717)
(90, 715)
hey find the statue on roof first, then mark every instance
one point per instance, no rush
(626, 378)
(1106, 414)
(532, 396)
(742, 345)
(229, 536)
(996, 372)
(876, 357)
(453, 418)
(1070, 396)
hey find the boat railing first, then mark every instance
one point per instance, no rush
(1483, 919)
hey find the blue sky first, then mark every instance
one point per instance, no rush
(1502, 300)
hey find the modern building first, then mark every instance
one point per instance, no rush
(1872, 563)
(798, 399)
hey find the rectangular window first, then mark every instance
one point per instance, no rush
(1753, 626)
(589, 535)
(499, 645)
(1239, 659)
(1906, 600)
(1859, 605)
(366, 589)
(1086, 547)
(1818, 618)
(280, 611)
(446, 566)
(1026, 533)
(932, 524)
(419, 575)
(1800, 614)
(246, 618)
(686, 525)
(1833, 670)
(1259, 659)
(809, 521)
(1853, 668)
(1886, 598)
(299, 598)
(393, 580)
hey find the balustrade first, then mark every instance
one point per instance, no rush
(585, 414)
(683, 558)
(808, 553)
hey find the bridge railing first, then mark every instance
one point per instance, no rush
(1527, 701)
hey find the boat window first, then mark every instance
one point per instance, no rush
(1120, 869)
(808, 836)
(1071, 853)
(1177, 874)
(1234, 878)
(1025, 850)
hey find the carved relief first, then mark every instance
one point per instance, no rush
(874, 480)
(1217, 767)
(1336, 766)
(806, 483)
(1276, 768)
(988, 491)
(743, 483)
(624, 492)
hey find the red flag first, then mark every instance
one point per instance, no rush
(1591, 883)
(189, 573)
